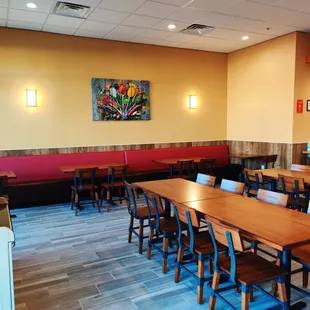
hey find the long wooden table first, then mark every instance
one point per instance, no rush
(72, 168)
(278, 227)
(182, 190)
(173, 161)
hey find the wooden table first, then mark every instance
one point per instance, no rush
(173, 161)
(5, 218)
(278, 227)
(182, 190)
(4, 176)
(243, 158)
(72, 168)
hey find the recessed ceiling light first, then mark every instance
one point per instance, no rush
(171, 26)
(31, 5)
(245, 38)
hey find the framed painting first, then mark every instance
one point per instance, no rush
(119, 100)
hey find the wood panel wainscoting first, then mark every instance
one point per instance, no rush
(298, 157)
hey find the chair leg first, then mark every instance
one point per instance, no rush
(130, 228)
(165, 253)
(92, 195)
(210, 266)
(149, 247)
(178, 269)
(97, 202)
(274, 285)
(72, 199)
(251, 294)
(305, 276)
(245, 298)
(101, 197)
(201, 275)
(215, 285)
(282, 293)
(108, 199)
(120, 195)
(76, 202)
(141, 224)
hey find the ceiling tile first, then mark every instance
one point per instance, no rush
(144, 40)
(27, 16)
(89, 34)
(181, 37)
(117, 37)
(187, 15)
(91, 3)
(163, 25)
(64, 21)
(209, 5)
(127, 30)
(178, 3)
(24, 25)
(106, 16)
(2, 22)
(296, 5)
(169, 43)
(3, 13)
(155, 9)
(4, 3)
(155, 34)
(55, 29)
(96, 26)
(141, 21)
(43, 6)
(128, 6)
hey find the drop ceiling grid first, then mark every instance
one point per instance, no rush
(146, 21)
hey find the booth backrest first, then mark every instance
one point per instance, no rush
(142, 160)
(40, 168)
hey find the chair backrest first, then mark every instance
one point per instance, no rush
(153, 202)
(253, 179)
(206, 165)
(269, 159)
(232, 186)
(291, 184)
(272, 197)
(132, 195)
(206, 179)
(296, 167)
(185, 167)
(116, 173)
(228, 236)
(84, 174)
(188, 216)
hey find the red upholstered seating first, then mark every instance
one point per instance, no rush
(141, 160)
(43, 168)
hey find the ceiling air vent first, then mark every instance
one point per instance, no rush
(71, 9)
(197, 29)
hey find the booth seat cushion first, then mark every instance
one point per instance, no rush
(43, 168)
(142, 160)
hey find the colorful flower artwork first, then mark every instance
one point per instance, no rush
(114, 100)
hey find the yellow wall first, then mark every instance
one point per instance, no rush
(61, 68)
(301, 130)
(261, 91)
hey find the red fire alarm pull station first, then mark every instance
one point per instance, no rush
(300, 105)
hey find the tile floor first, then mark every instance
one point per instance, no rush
(65, 262)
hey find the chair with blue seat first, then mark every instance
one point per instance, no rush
(84, 180)
(254, 181)
(244, 269)
(183, 169)
(232, 186)
(197, 242)
(206, 166)
(166, 229)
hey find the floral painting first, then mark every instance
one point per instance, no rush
(114, 99)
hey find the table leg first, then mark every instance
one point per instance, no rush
(171, 170)
(273, 185)
(242, 169)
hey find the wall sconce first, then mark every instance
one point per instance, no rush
(192, 102)
(31, 95)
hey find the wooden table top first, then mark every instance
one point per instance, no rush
(7, 174)
(276, 226)
(246, 156)
(274, 172)
(174, 161)
(72, 168)
(182, 190)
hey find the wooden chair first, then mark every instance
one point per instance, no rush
(295, 187)
(206, 179)
(275, 198)
(245, 269)
(84, 180)
(232, 186)
(302, 168)
(139, 213)
(197, 243)
(116, 178)
(206, 166)
(269, 161)
(183, 169)
(165, 227)
(254, 181)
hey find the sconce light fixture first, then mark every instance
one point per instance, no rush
(192, 102)
(31, 97)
